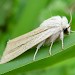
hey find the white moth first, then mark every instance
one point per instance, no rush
(49, 30)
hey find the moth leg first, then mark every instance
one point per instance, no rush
(72, 31)
(38, 47)
(61, 38)
(50, 48)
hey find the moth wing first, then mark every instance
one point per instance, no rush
(11, 44)
(31, 41)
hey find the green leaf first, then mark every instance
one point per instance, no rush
(20, 27)
(5, 9)
(25, 63)
(28, 17)
(3, 42)
(27, 22)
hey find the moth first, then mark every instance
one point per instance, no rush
(48, 31)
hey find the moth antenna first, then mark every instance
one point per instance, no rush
(70, 17)
(72, 31)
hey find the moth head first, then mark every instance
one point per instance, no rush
(66, 25)
(66, 30)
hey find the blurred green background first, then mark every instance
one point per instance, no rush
(18, 17)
